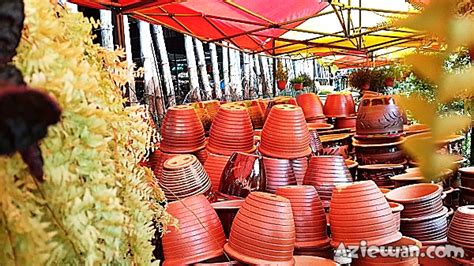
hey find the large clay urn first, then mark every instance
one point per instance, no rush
(311, 105)
(182, 131)
(378, 115)
(200, 235)
(263, 231)
(285, 134)
(231, 131)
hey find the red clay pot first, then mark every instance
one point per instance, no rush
(315, 142)
(214, 167)
(406, 242)
(389, 82)
(281, 84)
(263, 237)
(336, 144)
(350, 104)
(418, 199)
(204, 244)
(203, 116)
(311, 260)
(202, 155)
(309, 215)
(182, 131)
(346, 122)
(378, 115)
(184, 176)
(461, 229)
(211, 107)
(231, 131)
(324, 172)
(426, 228)
(386, 153)
(380, 173)
(226, 210)
(355, 215)
(278, 172)
(157, 160)
(298, 86)
(397, 208)
(311, 105)
(467, 176)
(257, 116)
(337, 105)
(285, 134)
(299, 167)
(321, 120)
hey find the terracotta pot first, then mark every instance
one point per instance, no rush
(397, 208)
(298, 86)
(346, 122)
(321, 120)
(407, 244)
(324, 172)
(281, 84)
(350, 104)
(311, 260)
(265, 234)
(203, 116)
(350, 208)
(418, 200)
(387, 153)
(319, 126)
(467, 196)
(226, 210)
(389, 82)
(352, 166)
(311, 105)
(309, 215)
(467, 177)
(461, 231)
(199, 220)
(427, 261)
(426, 228)
(336, 144)
(242, 175)
(315, 142)
(214, 167)
(231, 131)
(211, 106)
(278, 173)
(299, 166)
(157, 160)
(378, 115)
(257, 116)
(182, 131)
(380, 173)
(184, 176)
(337, 105)
(285, 134)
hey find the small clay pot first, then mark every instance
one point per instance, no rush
(379, 115)
(311, 105)
(256, 116)
(205, 243)
(380, 173)
(281, 84)
(211, 106)
(157, 160)
(397, 208)
(337, 105)
(214, 167)
(386, 153)
(461, 231)
(346, 122)
(418, 200)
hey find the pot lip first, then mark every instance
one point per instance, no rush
(285, 155)
(440, 214)
(334, 137)
(357, 144)
(388, 166)
(389, 239)
(390, 194)
(250, 260)
(228, 204)
(183, 150)
(467, 170)
(313, 260)
(397, 207)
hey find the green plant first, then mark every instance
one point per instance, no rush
(393, 71)
(298, 79)
(281, 72)
(377, 79)
(307, 80)
(360, 78)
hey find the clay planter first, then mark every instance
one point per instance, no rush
(263, 231)
(324, 172)
(407, 244)
(214, 167)
(311, 260)
(243, 174)
(387, 153)
(461, 228)
(352, 166)
(311, 105)
(278, 173)
(257, 116)
(360, 204)
(211, 107)
(419, 199)
(315, 142)
(336, 144)
(157, 161)
(298, 86)
(285, 134)
(309, 215)
(299, 167)
(351, 104)
(231, 131)
(467, 196)
(380, 173)
(467, 177)
(203, 116)
(202, 156)
(182, 131)
(378, 115)
(281, 84)
(346, 122)
(184, 176)
(426, 261)
(226, 210)
(426, 228)
(336, 105)
(200, 235)
(397, 208)
(321, 120)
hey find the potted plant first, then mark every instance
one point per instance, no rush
(391, 74)
(281, 76)
(307, 80)
(297, 82)
(360, 79)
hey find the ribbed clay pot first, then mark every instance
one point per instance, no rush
(379, 115)
(226, 210)
(311, 260)
(184, 176)
(418, 199)
(336, 144)
(243, 174)
(346, 122)
(231, 131)
(407, 244)
(263, 231)
(386, 153)
(397, 208)
(359, 211)
(157, 161)
(315, 142)
(319, 126)
(257, 116)
(182, 131)
(337, 105)
(211, 107)
(299, 166)
(324, 172)
(461, 228)
(309, 215)
(380, 173)
(426, 228)
(214, 167)
(202, 155)
(278, 173)
(311, 105)
(200, 235)
(285, 134)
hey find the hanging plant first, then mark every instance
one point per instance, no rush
(360, 79)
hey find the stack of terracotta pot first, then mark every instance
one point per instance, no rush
(467, 186)
(285, 146)
(341, 107)
(312, 107)
(461, 232)
(424, 217)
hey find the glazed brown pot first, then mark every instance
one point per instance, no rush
(386, 153)
(346, 122)
(285, 134)
(378, 115)
(407, 244)
(311, 105)
(200, 235)
(231, 131)
(461, 228)
(418, 199)
(426, 228)
(278, 173)
(336, 144)
(467, 177)
(397, 208)
(263, 231)
(182, 131)
(184, 176)
(214, 167)
(309, 215)
(311, 260)
(226, 210)
(324, 172)
(380, 173)
(359, 211)
(337, 105)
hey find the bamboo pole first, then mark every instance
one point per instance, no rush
(238, 75)
(215, 71)
(106, 29)
(246, 82)
(165, 65)
(252, 76)
(132, 94)
(266, 73)
(202, 69)
(225, 71)
(192, 69)
(259, 75)
(233, 71)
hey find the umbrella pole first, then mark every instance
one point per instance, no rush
(274, 80)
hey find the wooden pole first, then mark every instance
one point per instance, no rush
(165, 65)
(225, 71)
(238, 75)
(258, 72)
(192, 69)
(215, 71)
(273, 78)
(246, 82)
(266, 76)
(252, 77)
(132, 94)
(202, 69)
(106, 29)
